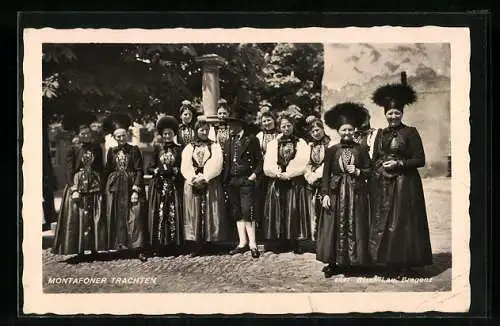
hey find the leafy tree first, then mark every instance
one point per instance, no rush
(293, 74)
(144, 78)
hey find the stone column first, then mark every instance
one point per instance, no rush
(210, 81)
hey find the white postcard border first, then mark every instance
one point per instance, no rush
(36, 302)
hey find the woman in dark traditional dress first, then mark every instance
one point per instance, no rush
(268, 132)
(314, 169)
(204, 209)
(186, 131)
(343, 226)
(286, 215)
(399, 235)
(80, 224)
(220, 132)
(125, 194)
(165, 209)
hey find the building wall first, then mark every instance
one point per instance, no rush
(354, 71)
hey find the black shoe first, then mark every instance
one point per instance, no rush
(329, 271)
(255, 253)
(142, 257)
(238, 250)
(197, 252)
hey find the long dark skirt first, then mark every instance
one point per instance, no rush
(165, 214)
(261, 195)
(343, 228)
(80, 224)
(205, 213)
(285, 212)
(399, 233)
(126, 221)
(314, 198)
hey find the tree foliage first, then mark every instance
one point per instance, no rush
(147, 78)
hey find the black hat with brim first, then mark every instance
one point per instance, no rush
(237, 117)
(167, 122)
(75, 120)
(346, 113)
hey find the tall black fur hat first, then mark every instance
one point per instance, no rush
(395, 95)
(346, 113)
(167, 121)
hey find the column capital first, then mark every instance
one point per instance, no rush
(211, 61)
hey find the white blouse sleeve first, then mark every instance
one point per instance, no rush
(309, 165)
(308, 173)
(187, 168)
(211, 134)
(318, 174)
(297, 166)
(260, 137)
(271, 168)
(371, 141)
(213, 167)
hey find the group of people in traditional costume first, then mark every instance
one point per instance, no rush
(359, 200)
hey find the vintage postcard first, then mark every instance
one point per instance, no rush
(267, 171)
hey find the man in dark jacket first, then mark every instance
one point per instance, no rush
(242, 170)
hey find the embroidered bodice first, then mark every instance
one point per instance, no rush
(267, 136)
(87, 159)
(287, 149)
(86, 180)
(122, 159)
(317, 154)
(222, 134)
(186, 134)
(201, 154)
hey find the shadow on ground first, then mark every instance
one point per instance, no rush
(189, 249)
(441, 262)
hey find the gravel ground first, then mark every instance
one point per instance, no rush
(285, 272)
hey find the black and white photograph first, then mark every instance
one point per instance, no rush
(244, 165)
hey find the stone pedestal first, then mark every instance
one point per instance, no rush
(210, 81)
